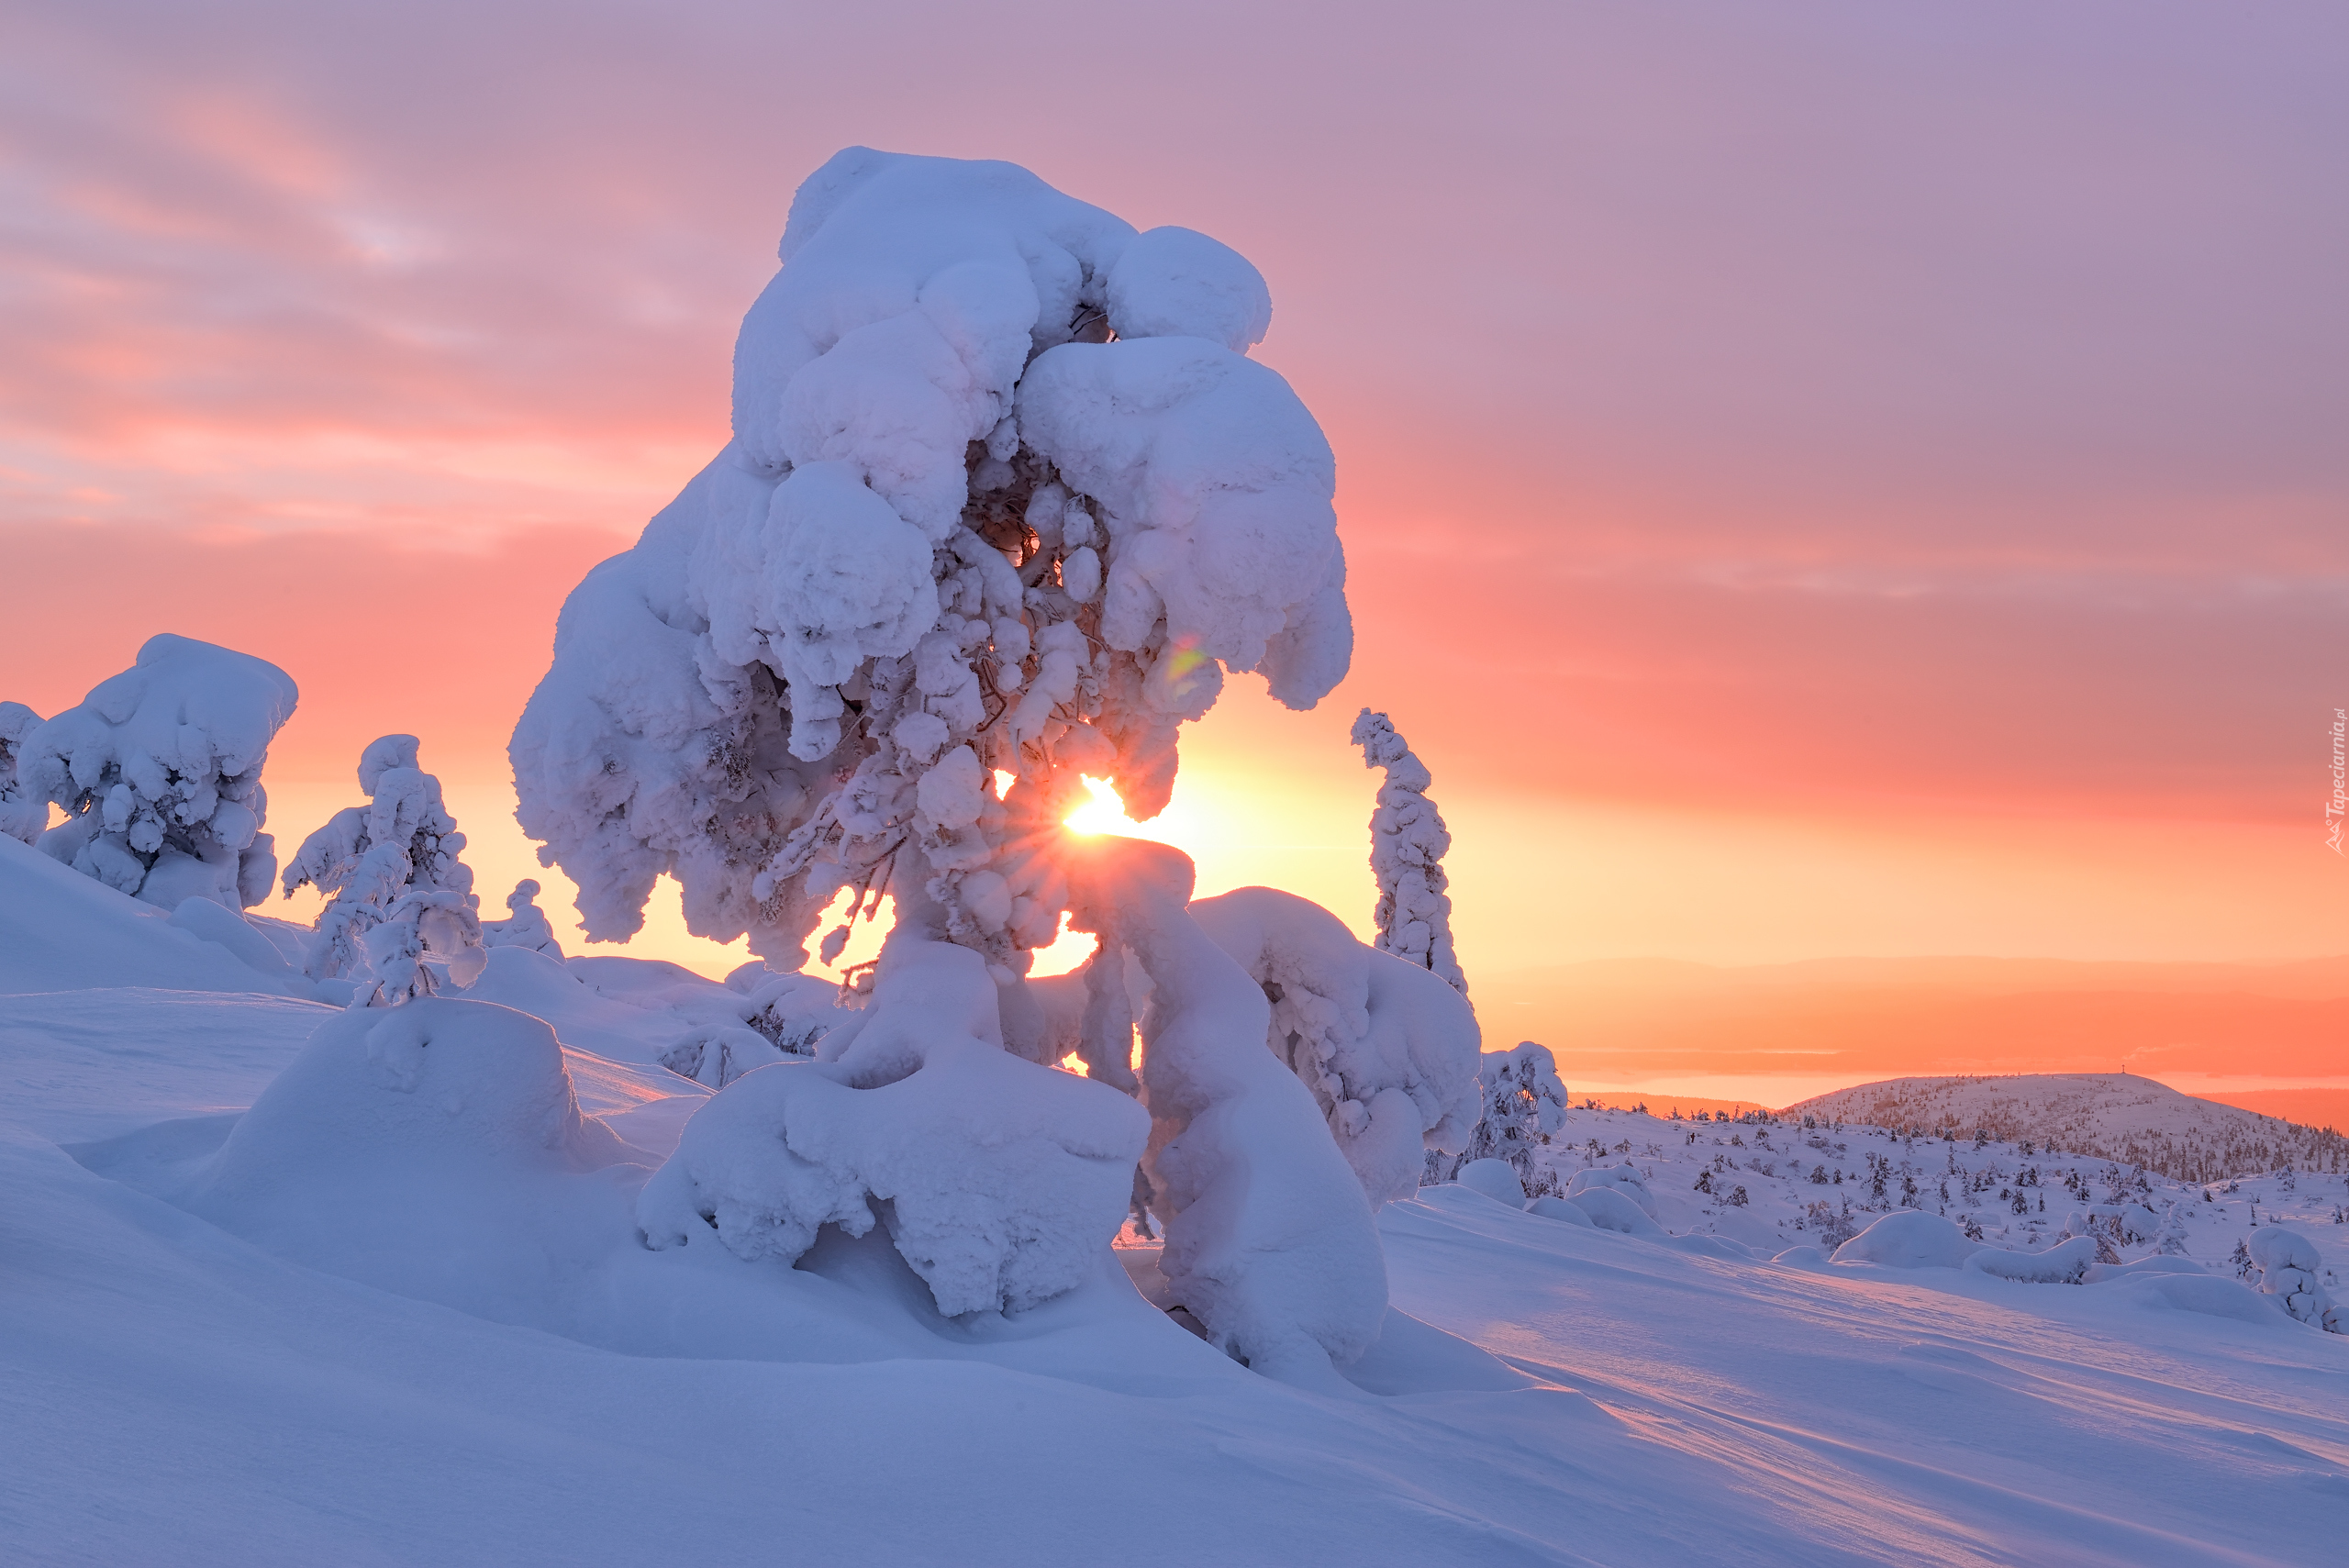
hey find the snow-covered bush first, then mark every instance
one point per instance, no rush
(24, 811)
(1610, 1209)
(716, 1055)
(1520, 1104)
(2066, 1262)
(1407, 840)
(396, 891)
(158, 773)
(2286, 1265)
(1004, 494)
(1388, 1051)
(1000, 1181)
(1624, 1178)
(525, 926)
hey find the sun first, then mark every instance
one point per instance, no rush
(1104, 812)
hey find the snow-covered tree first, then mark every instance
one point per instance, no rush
(1005, 496)
(1005, 501)
(1408, 842)
(396, 891)
(1522, 1102)
(24, 811)
(157, 771)
(525, 926)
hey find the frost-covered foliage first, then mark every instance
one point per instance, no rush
(1004, 494)
(716, 1055)
(1908, 1239)
(999, 1181)
(1390, 1052)
(396, 891)
(1269, 1239)
(1522, 1103)
(158, 773)
(1407, 840)
(2066, 1262)
(24, 811)
(2286, 1265)
(525, 926)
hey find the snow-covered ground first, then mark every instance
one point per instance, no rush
(358, 1347)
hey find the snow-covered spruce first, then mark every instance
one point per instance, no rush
(1269, 1238)
(396, 891)
(1408, 842)
(1520, 1102)
(1005, 497)
(1387, 1050)
(24, 811)
(959, 530)
(157, 771)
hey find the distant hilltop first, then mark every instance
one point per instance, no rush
(2111, 1116)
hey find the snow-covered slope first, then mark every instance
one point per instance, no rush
(2114, 1116)
(61, 930)
(364, 1325)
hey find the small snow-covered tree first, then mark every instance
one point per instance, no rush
(396, 891)
(1524, 1104)
(1408, 842)
(525, 926)
(157, 771)
(24, 811)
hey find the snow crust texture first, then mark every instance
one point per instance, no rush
(157, 771)
(1004, 494)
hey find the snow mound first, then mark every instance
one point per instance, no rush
(1908, 1239)
(1550, 1207)
(158, 773)
(61, 931)
(2066, 1262)
(1389, 1051)
(436, 1080)
(1000, 1181)
(1611, 1210)
(1624, 1178)
(1496, 1179)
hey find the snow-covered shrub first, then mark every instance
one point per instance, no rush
(1000, 1181)
(716, 1055)
(1520, 1104)
(525, 926)
(398, 893)
(1610, 1209)
(158, 773)
(1624, 1178)
(24, 811)
(958, 530)
(1407, 840)
(1908, 1239)
(2170, 1242)
(1269, 1240)
(2286, 1265)
(2066, 1262)
(1388, 1051)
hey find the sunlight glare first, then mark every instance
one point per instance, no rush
(1104, 812)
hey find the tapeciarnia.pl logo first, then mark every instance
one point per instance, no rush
(2338, 806)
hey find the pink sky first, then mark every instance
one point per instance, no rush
(1819, 479)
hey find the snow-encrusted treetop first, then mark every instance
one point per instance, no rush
(1004, 494)
(158, 771)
